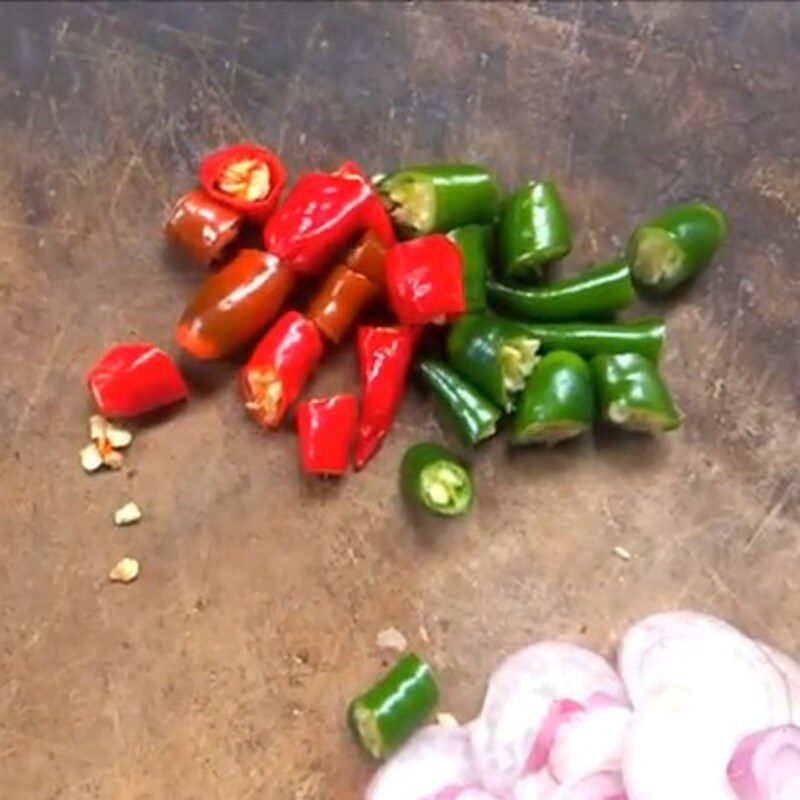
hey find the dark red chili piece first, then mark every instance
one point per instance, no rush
(326, 426)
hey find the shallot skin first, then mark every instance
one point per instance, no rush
(766, 765)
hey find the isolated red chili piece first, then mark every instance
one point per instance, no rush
(326, 426)
(384, 358)
(279, 368)
(134, 378)
(425, 281)
(245, 176)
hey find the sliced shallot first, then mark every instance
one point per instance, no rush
(790, 670)
(538, 786)
(766, 765)
(597, 786)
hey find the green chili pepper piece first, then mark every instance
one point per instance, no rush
(533, 231)
(438, 197)
(473, 416)
(434, 479)
(669, 249)
(644, 336)
(474, 242)
(558, 401)
(496, 355)
(632, 394)
(387, 714)
(595, 292)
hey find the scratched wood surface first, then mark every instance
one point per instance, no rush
(224, 671)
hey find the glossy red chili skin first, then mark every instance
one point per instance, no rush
(326, 426)
(213, 165)
(234, 304)
(425, 280)
(202, 227)
(133, 378)
(384, 359)
(321, 215)
(284, 358)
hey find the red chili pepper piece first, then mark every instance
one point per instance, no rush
(246, 177)
(425, 280)
(202, 227)
(321, 215)
(326, 426)
(133, 378)
(384, 358)
(279, 367)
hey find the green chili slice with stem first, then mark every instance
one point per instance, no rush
(387, 714)
(471, 414)
(434, 479)
(439, 197)
(557, 402)
(596, 292)
(669, 249)
(632, 394)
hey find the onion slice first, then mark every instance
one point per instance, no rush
(766, 765)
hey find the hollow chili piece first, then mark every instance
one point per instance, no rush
(632, 394)
(321, 215)
(387, 714)
(384, 358)
(473, 416)
(424, 280)
(202, 227)
(435, 480)
(671, 248)
(494, 354)
(246, 177)
(279, 368)
(348, 290)
(326, 426)
(438, 197)
(644, 336)
(474, 243)
(596, 292)
(533, 231)
(234, 304)
(133, 378)
(557, 402)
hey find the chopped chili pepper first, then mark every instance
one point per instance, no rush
(387, 714)
(279, 368)
(670, 249)
(348, 289)
(234, 304)
(596, 292)
(438, 197)
(246, 177)
(433, 479)
(534, 230)
(497, 355)
(632, 394)
(474, 243)
(133, 378)
(425, 281)
(557, 402)
(326, 426)
(474, 417)
(321, 216)
(384, 358)
(202, 227)
(645, 336)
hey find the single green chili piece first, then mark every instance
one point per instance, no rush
(645, 336)
(596, 292)
(495, 354)
(533, 231)
(473, 416)
(434, 479)
(669, 249)
(387, 714)
(474, 243)
(557, 402)
(632, 394)
(439, 197)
